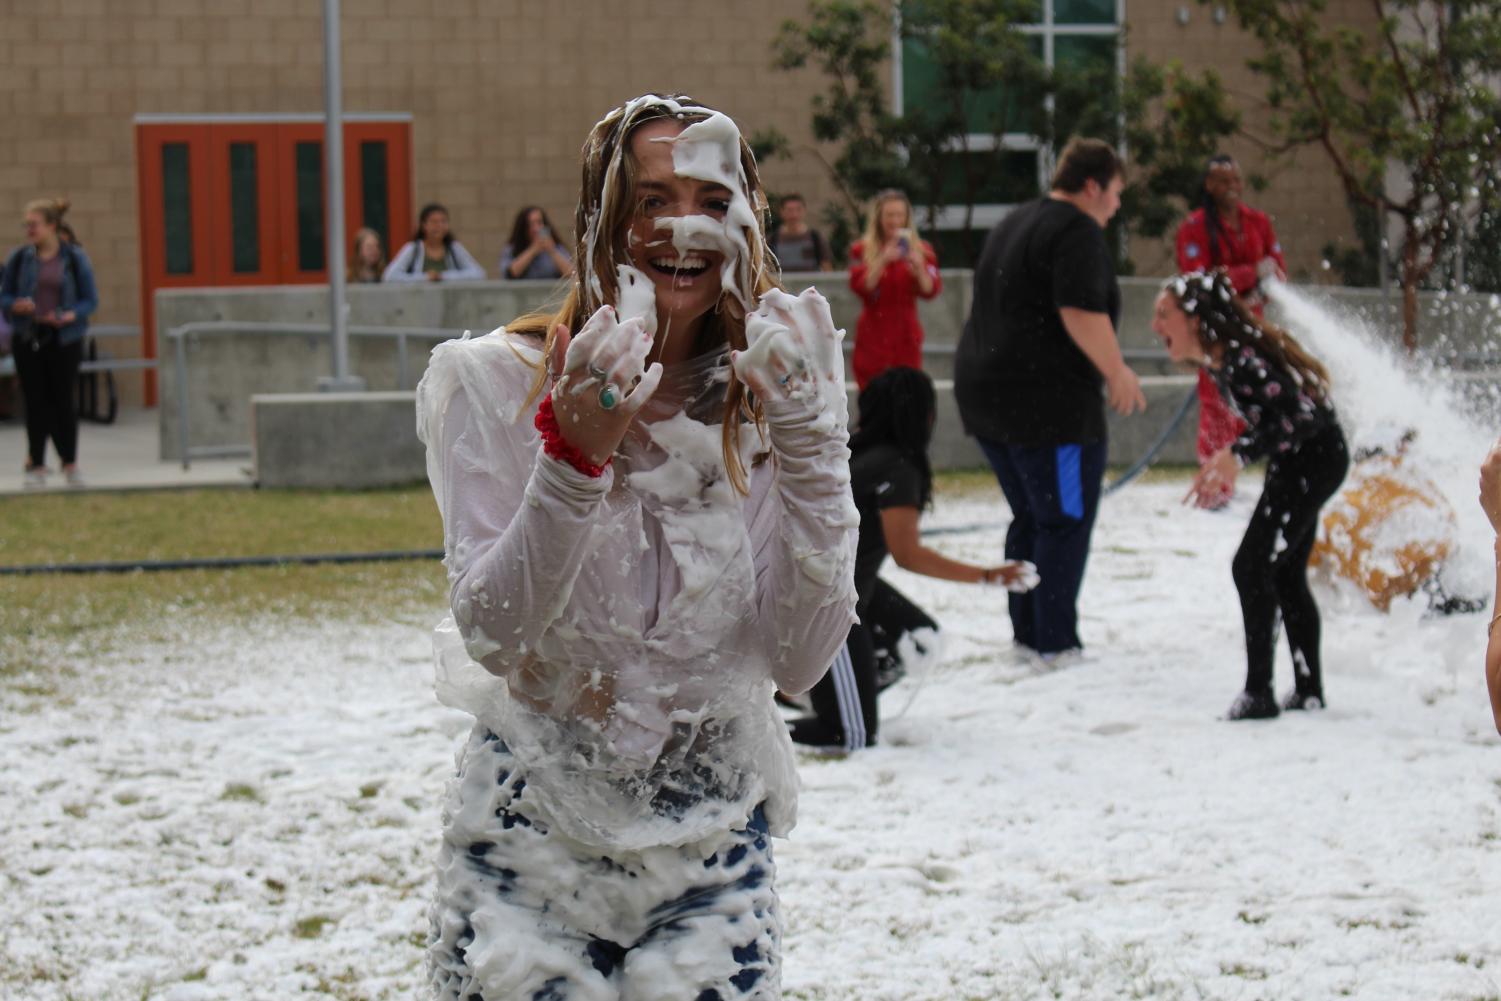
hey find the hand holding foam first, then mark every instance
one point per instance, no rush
(793, 352)
(604, 381)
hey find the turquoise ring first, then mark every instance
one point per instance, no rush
(609, 396)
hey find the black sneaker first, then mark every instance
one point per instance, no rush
(1295, 700)
(1253, 705)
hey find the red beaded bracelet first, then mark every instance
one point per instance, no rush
(556, 446)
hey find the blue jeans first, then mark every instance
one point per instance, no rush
(525, 914)
(1054, 493)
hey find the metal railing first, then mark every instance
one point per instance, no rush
(179, 337)
(101, 331)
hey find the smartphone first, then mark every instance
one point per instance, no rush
(904, 245)
(544, 233)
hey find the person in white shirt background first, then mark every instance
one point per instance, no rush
(433, 254)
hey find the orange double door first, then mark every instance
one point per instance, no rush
(241, 202)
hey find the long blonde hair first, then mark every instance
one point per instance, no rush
(871, 242)
(607, 205)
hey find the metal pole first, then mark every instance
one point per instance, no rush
(333, 170)
(182, 397)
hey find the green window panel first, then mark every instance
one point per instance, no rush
(310, 233)
(989, 113)
(1003, 178)
(1085, 52)
(375, 185)
(177, 209)
(244, 209)
(1083, 11)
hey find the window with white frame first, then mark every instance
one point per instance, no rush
(1082, 34)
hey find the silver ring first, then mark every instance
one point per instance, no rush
(609, 396)
(595, 372)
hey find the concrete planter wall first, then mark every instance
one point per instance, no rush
(227, 370)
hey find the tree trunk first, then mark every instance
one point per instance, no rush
(1410, 279)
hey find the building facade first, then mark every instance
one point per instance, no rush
(484, 104)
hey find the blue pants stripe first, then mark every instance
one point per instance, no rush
(1070, 485)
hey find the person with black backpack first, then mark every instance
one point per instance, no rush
(433, 254)
(47, 294)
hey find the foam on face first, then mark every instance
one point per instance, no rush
(707, 150)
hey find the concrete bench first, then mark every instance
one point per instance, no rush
(336, 440)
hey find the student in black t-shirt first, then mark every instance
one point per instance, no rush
(892, 482)
(1037, 349)
(1282, 393)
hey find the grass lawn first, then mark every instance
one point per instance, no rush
(51, 622)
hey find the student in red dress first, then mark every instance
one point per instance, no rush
(890, 269)
(1224, 232)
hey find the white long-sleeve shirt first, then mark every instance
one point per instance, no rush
(623, 634)
(406, 266)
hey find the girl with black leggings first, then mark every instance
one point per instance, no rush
(1282, 393)
(892, 481)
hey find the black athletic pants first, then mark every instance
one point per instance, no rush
(845, 712)
(49, 385)
(1271, 566)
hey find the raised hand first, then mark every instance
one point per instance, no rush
(604, 382)
(793, 351)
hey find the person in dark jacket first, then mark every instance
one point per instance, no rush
(1282, 393)
(892, 482)
(47, 294)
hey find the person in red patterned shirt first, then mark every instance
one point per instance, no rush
(1225, 232)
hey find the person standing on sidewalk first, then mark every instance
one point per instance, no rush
(47, 294)
(1225, 232)
(1037, 349)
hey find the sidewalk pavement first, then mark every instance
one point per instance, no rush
(124, 455)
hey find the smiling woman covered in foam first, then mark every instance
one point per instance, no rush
(649, 527)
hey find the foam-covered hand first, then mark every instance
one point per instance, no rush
(1017, 576)
(604, 381)
(793, 351)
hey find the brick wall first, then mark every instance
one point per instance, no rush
(1303, 196)
(501, 92)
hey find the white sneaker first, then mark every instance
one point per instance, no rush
(1057, 660)
(73, 476)
(36, 478)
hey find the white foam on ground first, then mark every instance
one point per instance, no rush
(253, 814)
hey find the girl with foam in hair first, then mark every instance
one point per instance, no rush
(1282, 393)
(648, 528)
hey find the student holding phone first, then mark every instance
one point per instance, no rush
(533, 251)
(890, 269)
